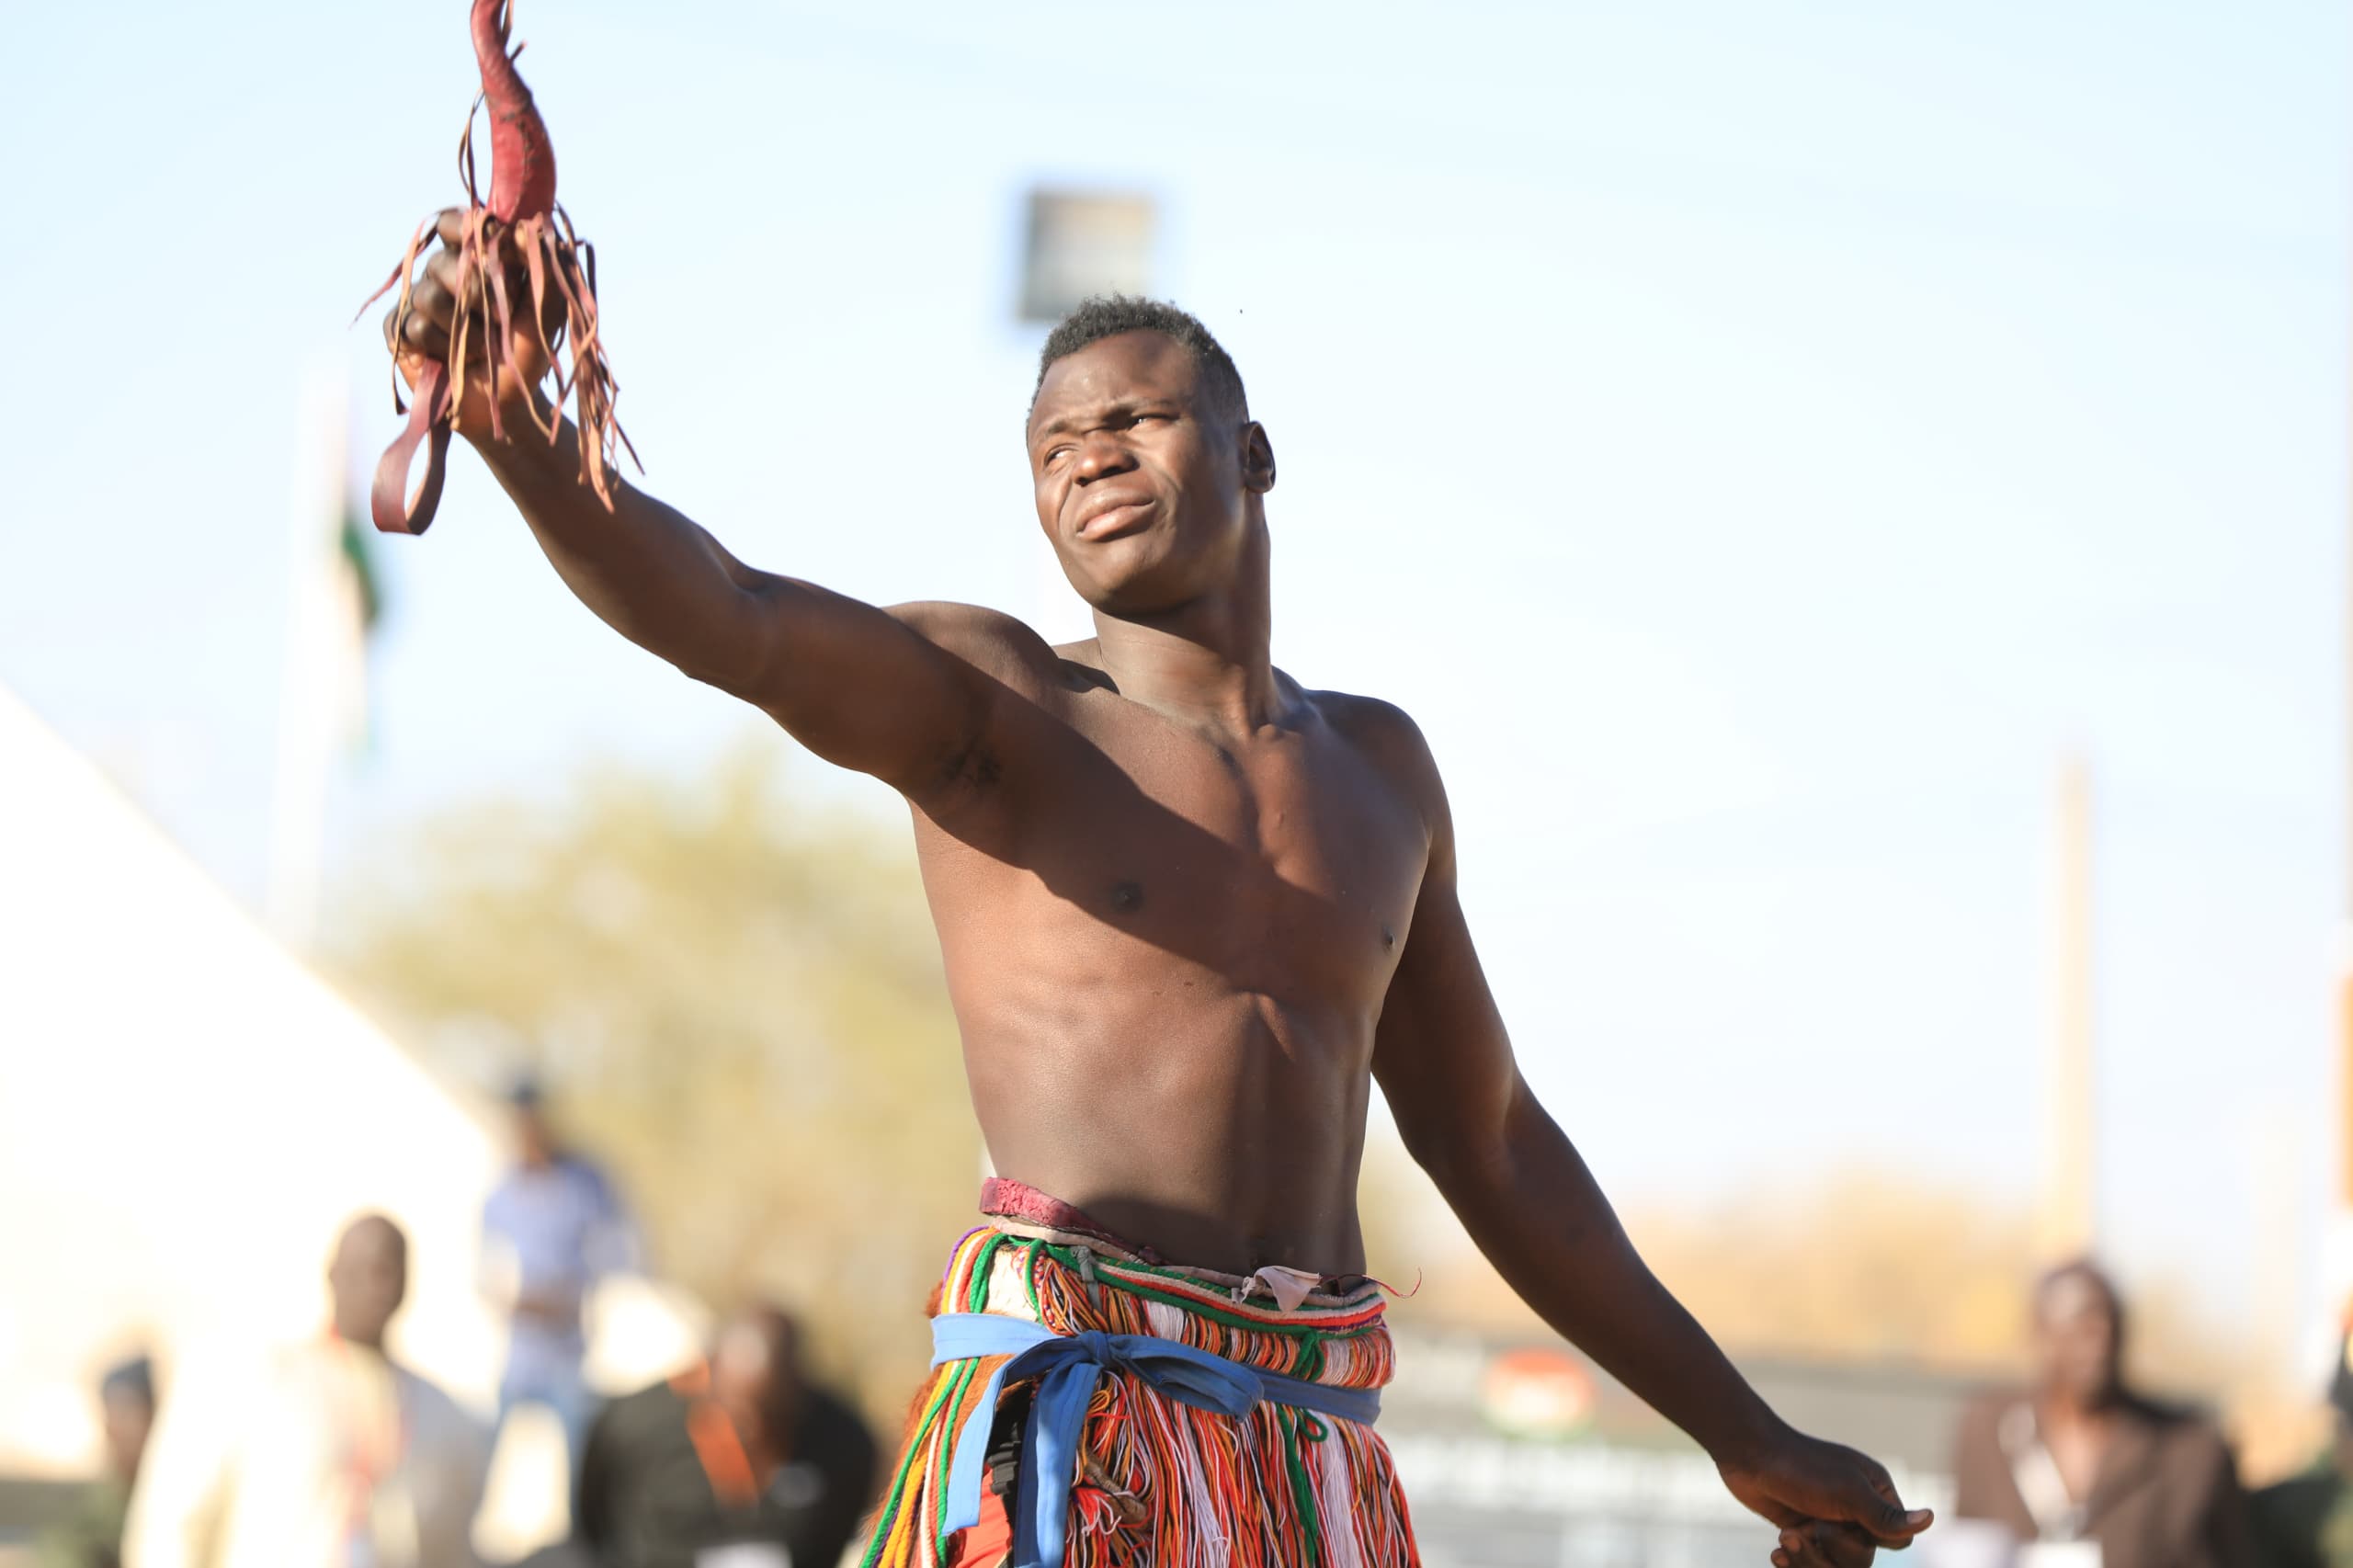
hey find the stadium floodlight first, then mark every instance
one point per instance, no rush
(1083, 242)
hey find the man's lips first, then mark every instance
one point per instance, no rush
(1113, 516)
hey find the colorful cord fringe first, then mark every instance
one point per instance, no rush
(1163, 1485)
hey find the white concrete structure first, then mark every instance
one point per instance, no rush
(186, 1117)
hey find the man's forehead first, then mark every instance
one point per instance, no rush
(1128, 367)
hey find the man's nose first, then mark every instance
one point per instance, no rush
(1100, 454)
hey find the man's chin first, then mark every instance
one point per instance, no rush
(1127, 589)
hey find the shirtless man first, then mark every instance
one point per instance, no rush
(1189, 910)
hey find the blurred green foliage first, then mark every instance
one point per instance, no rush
(736, 1002)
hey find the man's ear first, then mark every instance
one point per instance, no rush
(1258, 458)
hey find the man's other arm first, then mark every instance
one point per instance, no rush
(855, 684)
(1445, 1064)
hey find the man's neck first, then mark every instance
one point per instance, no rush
(1208, 661)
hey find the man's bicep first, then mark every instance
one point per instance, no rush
(867, 689)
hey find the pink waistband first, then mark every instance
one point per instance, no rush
(1004, 1199)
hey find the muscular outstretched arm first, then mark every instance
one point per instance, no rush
(855, 684)
(1467, 1117)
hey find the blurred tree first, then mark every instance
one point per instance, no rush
(737, 1002)
(1863, 1265)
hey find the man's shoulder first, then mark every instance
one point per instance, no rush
(990, 640)
(655, 1408)
(1356, 713)
(583, 1172)
(1386, 734)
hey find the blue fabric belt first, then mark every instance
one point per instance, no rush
(1067, 1368)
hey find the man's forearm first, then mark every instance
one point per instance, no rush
(648, 571)
(1538, 1214)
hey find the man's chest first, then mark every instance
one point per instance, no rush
(1284, 863)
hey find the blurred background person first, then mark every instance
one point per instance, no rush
(2306, 1521)
(337, 1456)
(741, 1454)
(91, 1536)
(2083, 1471)
(551, 1228)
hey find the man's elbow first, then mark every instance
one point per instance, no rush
(727, 657)
(1483, 1152)
(1461, 1156)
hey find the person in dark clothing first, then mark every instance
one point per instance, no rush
(2306, 1521)
(91, 1536)
(2083, 1471)
(740, 1454)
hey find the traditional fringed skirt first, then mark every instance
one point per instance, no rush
(1161, 1482)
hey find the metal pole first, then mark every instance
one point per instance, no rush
(2068, 1224)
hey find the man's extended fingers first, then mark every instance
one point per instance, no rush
(1821, 1544)
(1885, 1517)
(442, 269)
(1795, 1548)
(1891, 1525)
(1897, 1526)
(426, 335)
(417, 333)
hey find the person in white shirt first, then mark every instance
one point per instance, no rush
(335, 1458)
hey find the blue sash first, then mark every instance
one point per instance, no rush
(1067, 1368)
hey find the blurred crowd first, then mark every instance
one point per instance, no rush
(332, 1454)
(2080, 1469)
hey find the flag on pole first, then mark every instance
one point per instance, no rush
(335, 600)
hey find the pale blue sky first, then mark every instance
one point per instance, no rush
(1754, 441)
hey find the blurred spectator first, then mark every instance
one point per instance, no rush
(550, 1229)
(91, 1536)
(2084, 1472)
(333, 1458)
(740, 1461)
(2307, 1522)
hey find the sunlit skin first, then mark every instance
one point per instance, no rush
(1191, 908)
(368, 1279)
(756, 1380)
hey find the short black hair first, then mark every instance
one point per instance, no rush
(134, 1379)
(1107, 315)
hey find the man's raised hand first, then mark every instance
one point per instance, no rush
(425, 332)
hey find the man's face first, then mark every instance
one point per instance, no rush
(368, 1279)
(1141, 474)
(127, 1417)
(2077, 1343)
(755, 1379)
(534, 1140)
